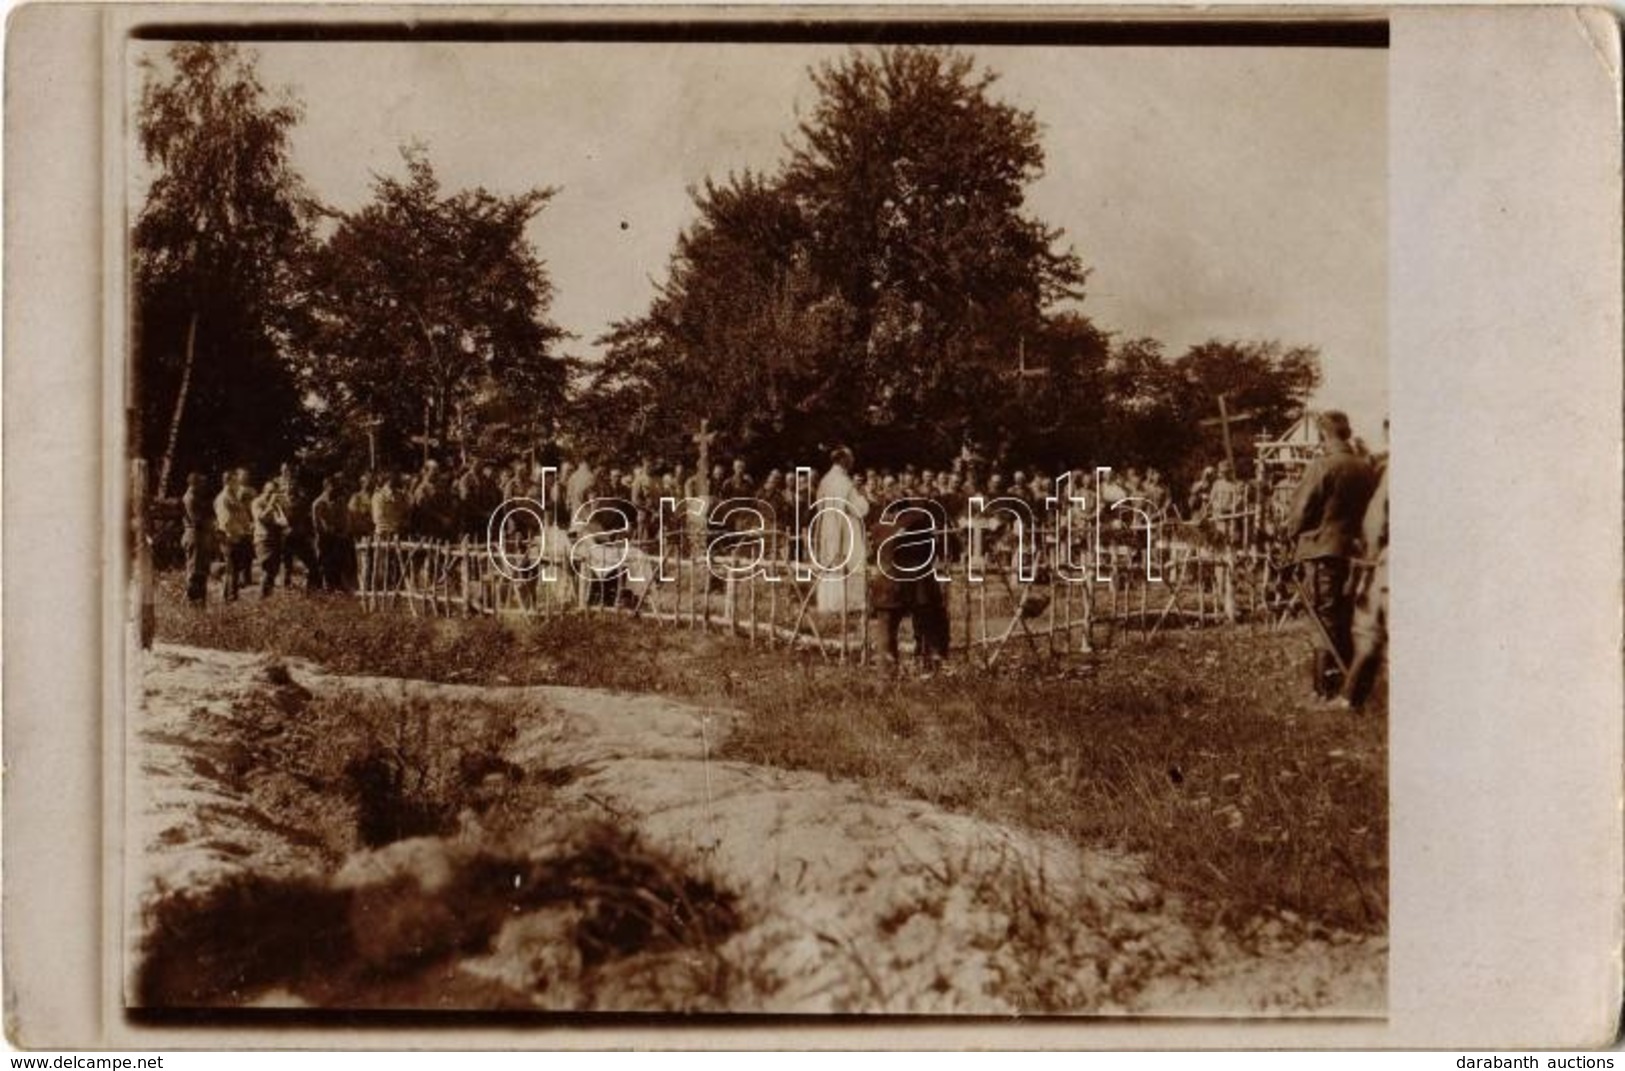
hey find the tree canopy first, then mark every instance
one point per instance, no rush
(223, 228)
(884, 286)
(429, 312)
(1164, 412)
(873, 289)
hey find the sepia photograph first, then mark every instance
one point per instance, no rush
(875, 523)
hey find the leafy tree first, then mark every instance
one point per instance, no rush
(876, 290)
(429, 313)
(912, 177)
(1055, 413)
(218, 239)
(1157, 406)
(737, 334)
(885, 288)
(1143, 423)
(1266, 379)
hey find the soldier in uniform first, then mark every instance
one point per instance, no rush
(270, 525)
(391, 513)
(1224, 504)
(234, 527)
(516, 480)
(334, 548)
(737, 485)
(1155, 490)
(908, 543)
(390, 508)
(357, 526)
(1326, 519)
(774, 494)
(434, 507)
(478, 497)
(1370, 627)
(298, 542)
(197, 538)
(578, 488)
(645, 495)
(358, 510)
(1201, 487)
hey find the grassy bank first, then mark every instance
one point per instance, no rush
(1193, 748)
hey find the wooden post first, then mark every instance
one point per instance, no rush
(1230, 583)
(465, 573)
(461, 434)
(773, 601)
(427, 439)
(372, 424)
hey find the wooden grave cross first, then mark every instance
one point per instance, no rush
(1224, 420)
(1022, 372)
(424, 441)
(702, 439)
(372, 424)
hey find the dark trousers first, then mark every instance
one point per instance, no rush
(1370, 636)
(300, 547)
(269, 551)
(238, 557)
(1326, 581)
(199, 547)
(921, 602)
(335, 559)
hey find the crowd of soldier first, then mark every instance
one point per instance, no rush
(280, 527)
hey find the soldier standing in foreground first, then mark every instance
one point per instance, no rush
(333, 544)
(298, 541)
(1327, 514)
(1370, 622)
(909, 541)
(234, 525)
(198, 537)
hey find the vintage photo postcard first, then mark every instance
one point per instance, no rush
(804, 528)
(863, 516)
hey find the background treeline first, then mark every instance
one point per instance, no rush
(883, 287)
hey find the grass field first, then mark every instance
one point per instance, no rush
(1194, 748)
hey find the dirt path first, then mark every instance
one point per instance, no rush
(853, 900)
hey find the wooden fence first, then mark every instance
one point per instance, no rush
(1070, 599)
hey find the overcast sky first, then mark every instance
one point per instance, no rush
(1229, 192)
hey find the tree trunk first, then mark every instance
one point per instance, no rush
(180, 407)
(141, 555)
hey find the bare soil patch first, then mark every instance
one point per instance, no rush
(553, 847)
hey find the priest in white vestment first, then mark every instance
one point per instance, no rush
(840, 550)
